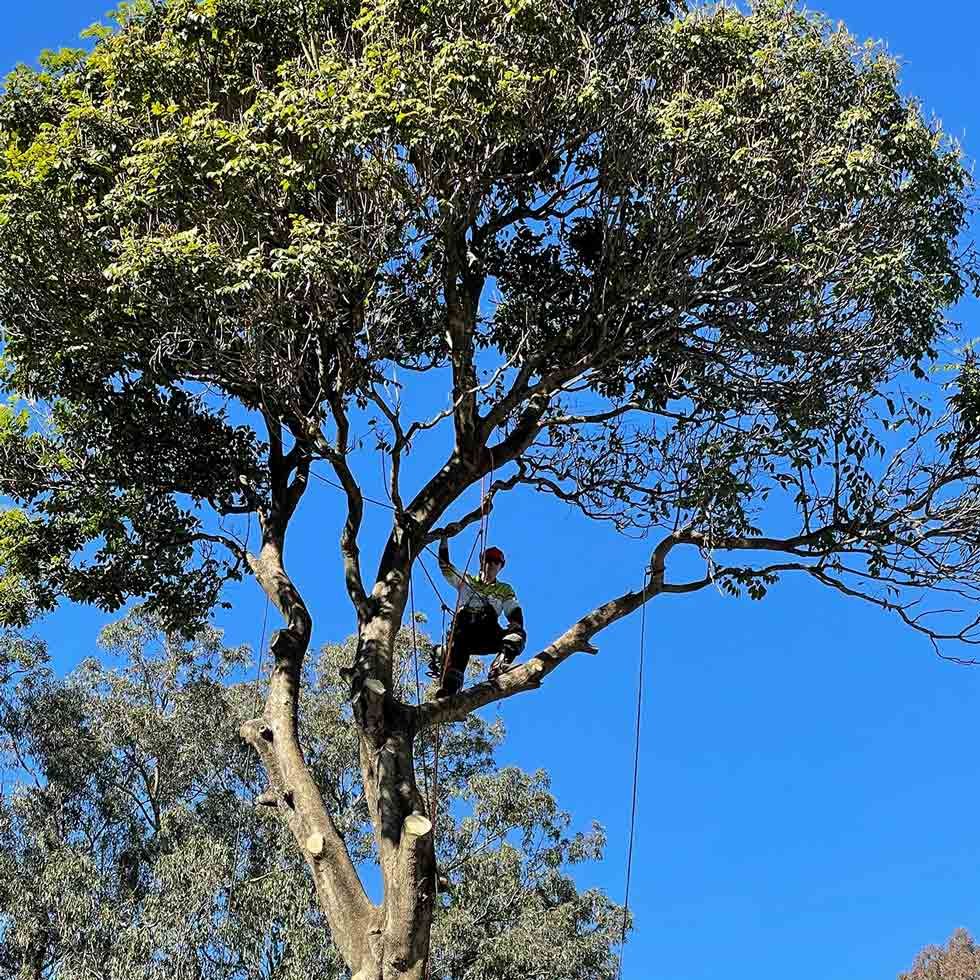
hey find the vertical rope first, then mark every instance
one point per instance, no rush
(433, 807)
(484, 496)
(447, 642)
(415, 658)
(636, 776)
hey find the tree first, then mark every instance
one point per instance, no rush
(959, 960)
(686, 271)
(132, 842)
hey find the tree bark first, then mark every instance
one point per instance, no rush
(404, 837)
(390, 941)
(275, 736)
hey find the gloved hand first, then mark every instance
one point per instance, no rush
(514, 641)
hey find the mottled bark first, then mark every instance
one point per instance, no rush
(275, 737)
(390, 941)
(405, 843)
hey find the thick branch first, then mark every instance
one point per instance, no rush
(275, 736)
(816, 545)
(531, 674)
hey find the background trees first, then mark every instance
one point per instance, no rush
(958, 960)
(128, 846)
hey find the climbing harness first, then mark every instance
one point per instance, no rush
(486, 482)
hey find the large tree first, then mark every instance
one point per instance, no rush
(685, 270)
(131, 845)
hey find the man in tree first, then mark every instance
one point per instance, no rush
(688, 271)
(476, 626)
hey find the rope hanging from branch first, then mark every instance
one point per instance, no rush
(447, 640)
(636, 777)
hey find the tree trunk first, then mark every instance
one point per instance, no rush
(275, 736)
(403, 833)
(390, 941)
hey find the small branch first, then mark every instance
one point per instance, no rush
(337, 457)
(400, 443)
(233, 546)
(453, 528)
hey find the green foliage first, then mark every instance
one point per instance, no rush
(966, 393)
(131, 842)
(676, 268)
(110, 488)
(730, 219)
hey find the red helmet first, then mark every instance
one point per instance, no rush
(494, 554)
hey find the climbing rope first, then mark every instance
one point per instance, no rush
(447, 640)
(435, 588)
(415, 658)
(481, 540)
(447, 647)
(482, 536)
(636, 777)
(338, 486)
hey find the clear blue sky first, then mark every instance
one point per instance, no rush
(809, 791)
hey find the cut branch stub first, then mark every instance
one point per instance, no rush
(417, 825)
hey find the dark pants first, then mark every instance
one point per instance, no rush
(473, 635)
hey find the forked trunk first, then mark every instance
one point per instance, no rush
(402, 830)
(389, 941)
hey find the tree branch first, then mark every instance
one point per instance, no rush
(337, 457)
(275, 736)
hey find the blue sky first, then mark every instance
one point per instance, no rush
(808, 792)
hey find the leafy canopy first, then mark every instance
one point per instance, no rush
(669, 264)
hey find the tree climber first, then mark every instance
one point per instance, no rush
(476, 629)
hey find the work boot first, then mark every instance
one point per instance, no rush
(436, 658)
(452, 684)
(513, 642)
(503, 662)
(511, 647)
